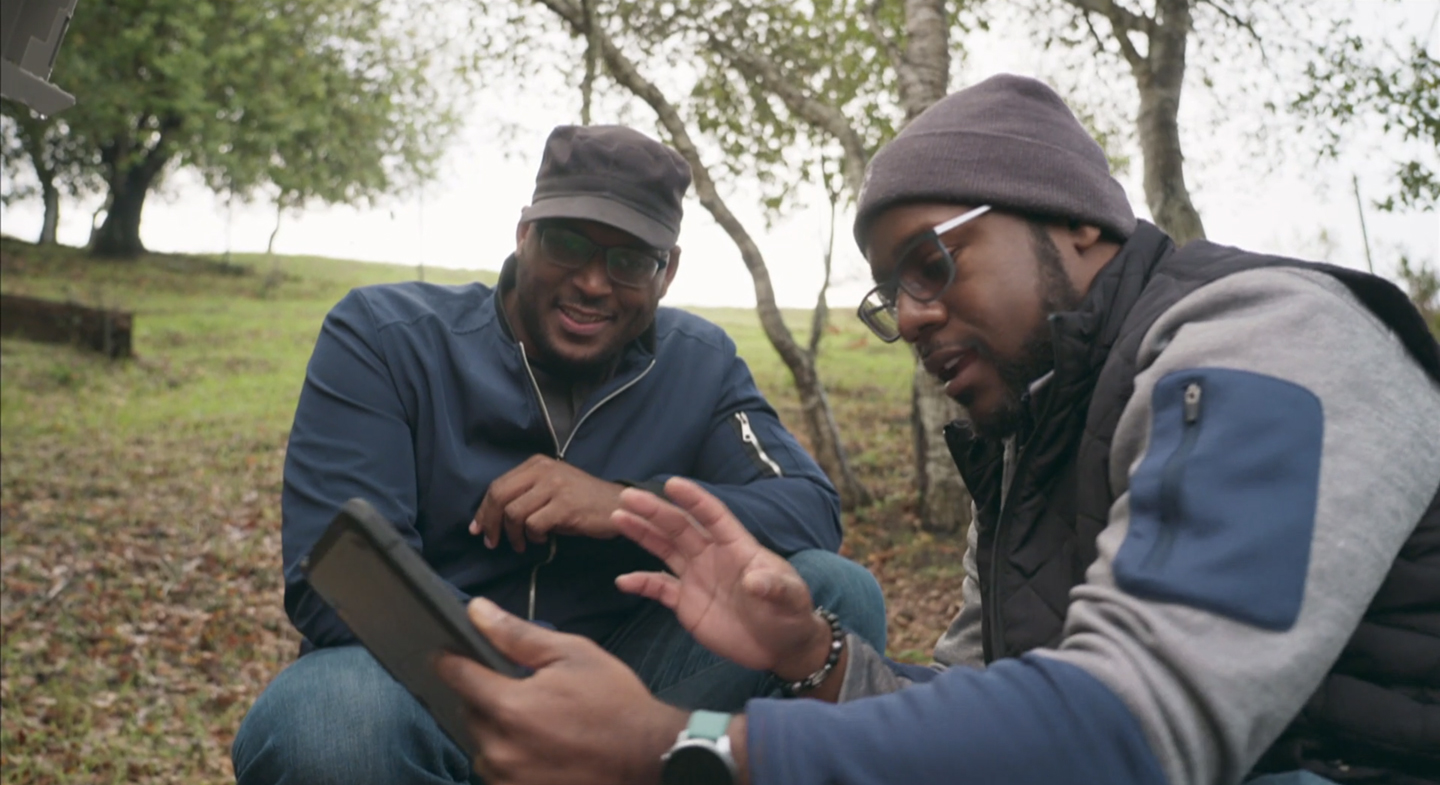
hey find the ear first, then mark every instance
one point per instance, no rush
(1084, 250)
(1084, 237)
(522, 230)
(670, 270)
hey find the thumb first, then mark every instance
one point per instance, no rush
(525, 643)
(786, 591)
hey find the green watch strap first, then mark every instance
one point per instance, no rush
(707, 725)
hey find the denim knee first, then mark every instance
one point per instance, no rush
(336, 716)
(847, 589)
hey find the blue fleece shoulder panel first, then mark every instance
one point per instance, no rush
(1222, 506)
(1030, 721)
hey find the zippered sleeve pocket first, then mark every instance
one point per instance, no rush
(752, 446)
(1222, 506)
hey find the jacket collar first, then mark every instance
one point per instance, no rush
(1084, 337)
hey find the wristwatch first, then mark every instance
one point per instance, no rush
(701, 755)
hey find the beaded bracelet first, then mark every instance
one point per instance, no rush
(837, 643)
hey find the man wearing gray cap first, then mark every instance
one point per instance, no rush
(1207, 535)
(496, 428)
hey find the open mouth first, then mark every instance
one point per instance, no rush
(582, 321)
(947, 365)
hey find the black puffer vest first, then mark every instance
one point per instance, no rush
(1376, 717)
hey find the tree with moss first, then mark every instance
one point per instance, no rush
(338, 101)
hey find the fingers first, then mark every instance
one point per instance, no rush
(474, 682)
(514, 532)
(491, 519)
(708, 511)
(779, 589)
(658, 586)
(526, 644)
(667, 521)
(488, 520)
(648, 537)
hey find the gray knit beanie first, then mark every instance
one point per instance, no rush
(1008, 141)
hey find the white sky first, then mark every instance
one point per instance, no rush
(467, 219)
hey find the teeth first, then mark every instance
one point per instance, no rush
(951, 365)
(583, 317)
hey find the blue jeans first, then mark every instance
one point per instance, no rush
(336, 716)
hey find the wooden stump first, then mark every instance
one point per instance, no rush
(33, 319)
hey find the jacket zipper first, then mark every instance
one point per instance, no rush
(561, 449)
(991, 605)
(747, 435)
(991, 608)
(1170, 478)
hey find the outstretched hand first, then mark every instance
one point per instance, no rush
(738, 599)
(582, 717)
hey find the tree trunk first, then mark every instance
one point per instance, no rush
(33, 133)
(279, 213)
(924, 72)
(51, 222)
(119, 235)
(944, 500)
(819, 422)
(924, 67)
(1160, 80)
(95, 222)
(825, 435)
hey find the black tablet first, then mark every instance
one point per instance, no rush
(399, 608)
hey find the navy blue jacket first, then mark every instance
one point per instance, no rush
(416, 398)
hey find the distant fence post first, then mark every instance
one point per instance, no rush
(102, 330)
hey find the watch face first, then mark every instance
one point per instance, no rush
(696, 764)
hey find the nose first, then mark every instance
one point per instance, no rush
(915, 318)
(594, 278)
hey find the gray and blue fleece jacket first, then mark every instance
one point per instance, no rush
(1200, 629)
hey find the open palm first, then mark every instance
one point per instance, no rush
(738, 599)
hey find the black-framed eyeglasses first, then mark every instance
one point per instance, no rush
(924, 271)
(627, 266)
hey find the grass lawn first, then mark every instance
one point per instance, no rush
(140, 588)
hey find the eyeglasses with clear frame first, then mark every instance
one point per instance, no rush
(924, 271)
(626, 266)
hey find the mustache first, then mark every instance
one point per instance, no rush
(971, 344)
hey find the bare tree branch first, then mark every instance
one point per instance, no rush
(816, 113)
(587, 84)
(1240, 23)
(824, 433)
(892, 50)
(625, 73)
(1120, 16)
(1123, 22)
(1089, 25)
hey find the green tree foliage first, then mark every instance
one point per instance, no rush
(1254, 60)
(328, 100)
(1353, 82)
(791, 94)
(42, 148)
(664, 55)
(1424, 289)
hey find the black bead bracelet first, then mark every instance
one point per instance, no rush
(832, 658)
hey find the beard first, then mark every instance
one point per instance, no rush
(551, 358)
(1037, 354)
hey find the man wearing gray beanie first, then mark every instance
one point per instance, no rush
(1206, 514)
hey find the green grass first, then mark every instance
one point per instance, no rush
(140, 590)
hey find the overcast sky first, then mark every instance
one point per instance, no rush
(468, 218)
